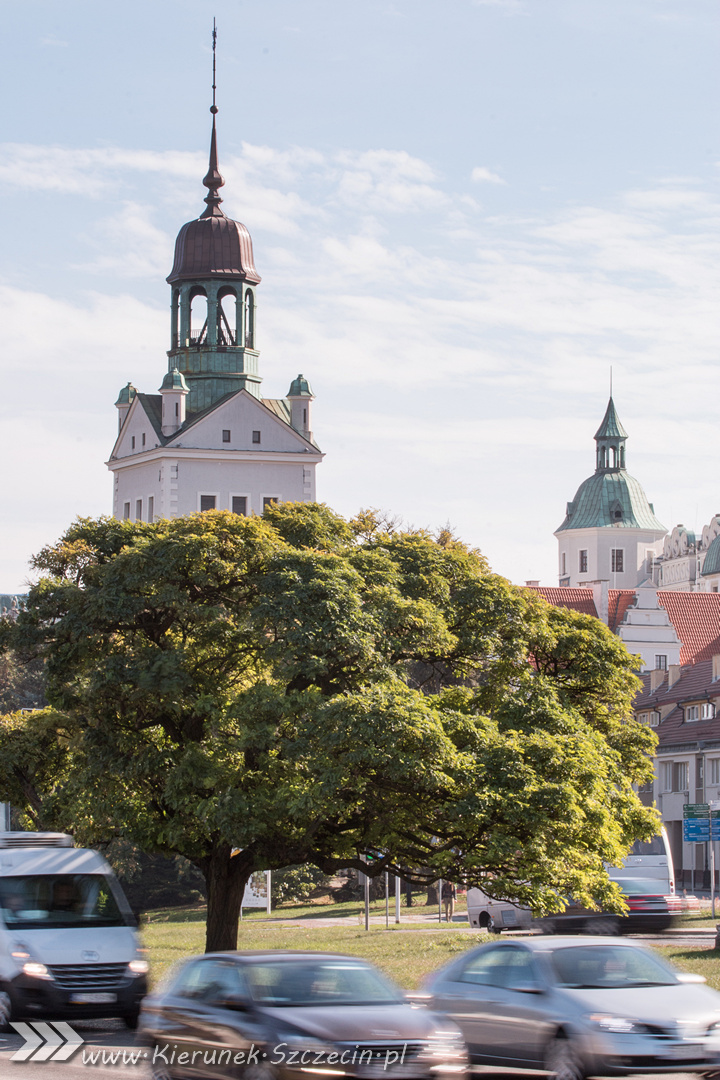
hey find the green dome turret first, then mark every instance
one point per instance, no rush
(174, 380)
(300, 387)
(126, 395)
(610, 498)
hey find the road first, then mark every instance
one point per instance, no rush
(109, 1049)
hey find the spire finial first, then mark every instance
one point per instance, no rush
(213, 180)
(611, 380)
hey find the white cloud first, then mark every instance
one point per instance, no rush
(481, 175)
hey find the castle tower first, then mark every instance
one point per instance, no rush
(610, 532)
(208, 440)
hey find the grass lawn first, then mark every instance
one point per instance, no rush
(407, 953)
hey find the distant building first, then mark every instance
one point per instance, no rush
(610, 532)
(208, 439)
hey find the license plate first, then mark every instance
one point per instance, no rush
(93, 999)
(686, 1051)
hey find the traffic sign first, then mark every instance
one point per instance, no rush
(696, 810)
(697, 830)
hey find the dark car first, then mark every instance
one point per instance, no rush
(577, 1007)
(281, 1016)
(651, 908)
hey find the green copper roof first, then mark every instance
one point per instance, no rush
(712, 559)
(611, 428)
(126, 395)
(611, 498)
(300, 387)
(174, 380)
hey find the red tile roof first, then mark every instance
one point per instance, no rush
(576, 599)
(695, 616)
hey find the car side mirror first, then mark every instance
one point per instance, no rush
(527, 988)
(234, 1002)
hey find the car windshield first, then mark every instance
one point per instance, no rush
(608, 967)
(55, 901)
(320, 982)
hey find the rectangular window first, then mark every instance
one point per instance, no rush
(126, 511)
(256, 436)
(681, 776)
(666, 775)
(268, 500)
(143, 438)
(707, 711)
(661, 663)
(583, 562)
(151, 508)
(226, 434)
(616, 560)
(563, 571)
(138, 509)
(715, 770)
(239, 505)
(654, 718)
(132, 442)
(692, 712)
(643, 717)
(207, 502)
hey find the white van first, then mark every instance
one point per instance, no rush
(495, 915)
(68, 941)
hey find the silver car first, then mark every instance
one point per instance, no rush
(577, 1007)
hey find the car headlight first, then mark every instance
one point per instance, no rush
(35, 970)
(446, 1050)
(138, 967)
(618, 1025)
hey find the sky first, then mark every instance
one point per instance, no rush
(464, 214)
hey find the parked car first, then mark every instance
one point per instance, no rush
(277, 1016)
(576, 1007)
(650, 909)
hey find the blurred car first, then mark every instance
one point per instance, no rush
(280, 1016)
(574, 1008)
(650, 909)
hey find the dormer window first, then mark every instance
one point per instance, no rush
(707, 710)
(692, 712)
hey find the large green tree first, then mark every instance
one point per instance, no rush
(254, 693)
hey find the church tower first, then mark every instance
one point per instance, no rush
(610, 532)
(208, 439)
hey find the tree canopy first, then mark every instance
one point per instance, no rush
(253, 693)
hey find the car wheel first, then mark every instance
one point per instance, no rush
(562, 1061)
(607, 925)
(6, 1008)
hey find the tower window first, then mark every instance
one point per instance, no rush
(305, 417)
(239, 505)
(661, 663)
(177, 410)
(256, 436)
(617, 561)
(582, 562)
(226, 434)
(207, 502)
(617, 515)
(151, 509)
(138, 509)
(143, 438)
(132, 442)
(562, 564)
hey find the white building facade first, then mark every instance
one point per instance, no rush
(208, 440)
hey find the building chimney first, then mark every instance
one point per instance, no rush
(657, 678)
(715, 668)
(673, 674)
(602, 600)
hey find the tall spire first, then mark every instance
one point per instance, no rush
(213, 180)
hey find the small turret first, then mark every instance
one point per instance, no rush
(300, 396)
(174, 390)
(123, 403)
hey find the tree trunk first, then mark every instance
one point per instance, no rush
(432, 896)
(226, 877)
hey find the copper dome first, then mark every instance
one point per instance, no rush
(213, 246)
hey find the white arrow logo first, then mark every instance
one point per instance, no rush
(42, 1043)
